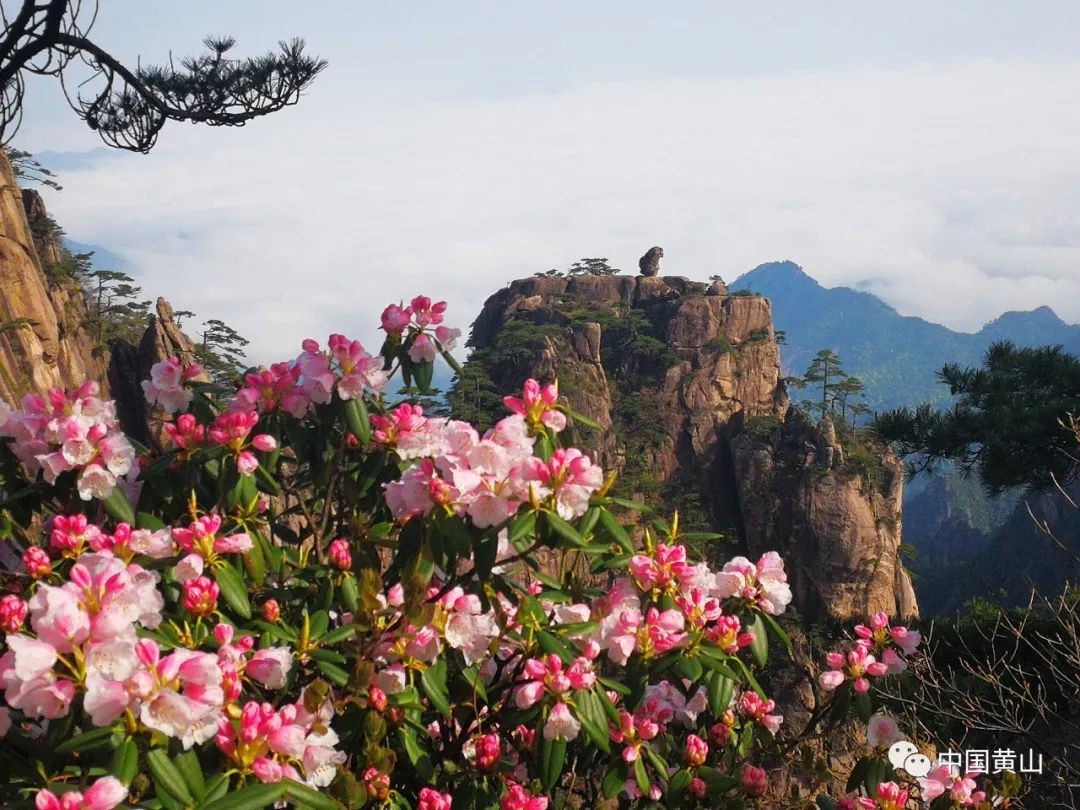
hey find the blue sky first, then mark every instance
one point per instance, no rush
(927, 152)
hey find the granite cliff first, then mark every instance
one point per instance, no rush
(685, 382)
(43, 338)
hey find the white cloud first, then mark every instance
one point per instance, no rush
(955, 188)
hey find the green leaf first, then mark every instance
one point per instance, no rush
(350, 593)
(339, 634)
(864, 706)
(553, 645)
(433, 679)
(858, 773)
(423, 372)
(416, 754)
(358, 420)
(616, 532)
(564, 530)
(87, 741)
(580, 417)
(720, 690)
(637, 506)
(778, 631)
(217, 787)
(125, 761)
(253, 797)
(641, 776)
(689, 667)
(597, 731)
(614, 780)
(523, 526)
(552, 758)
(677, 785)
(333, 672)
(233, 589)
(307, 797)
(450, 360)
(760, 648)
(167, 778)
(188, 765)
(119, 507)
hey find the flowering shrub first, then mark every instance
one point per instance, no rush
(313, 595)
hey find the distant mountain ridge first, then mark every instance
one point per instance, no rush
(896, 356)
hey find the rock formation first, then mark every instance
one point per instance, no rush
(685, 384)
(649, 264)
(129, 366)
(43, 338)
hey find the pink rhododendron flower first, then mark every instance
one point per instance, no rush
(568, 478)
(484, 751)
(754, 781)
(537, 406)
(75, 431)
(267, 390)
(423, 349)
(891, 796)
(105, 794)
(662, 569)
(180, 694)
(633, 732)
(517, 798)
(858, 665)
(200, 596)
(166, 385)
(396, 319)
(696, 751)
(186, 433)
(764, 583)
(754, 708)
(561, 724)
(430, 799)
(270, 666)
(882, 731)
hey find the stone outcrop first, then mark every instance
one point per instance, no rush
(44, 342)
(685, 383)
(649, 264)
(130, 365)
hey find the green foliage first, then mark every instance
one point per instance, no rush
(1010, 420)
(220, 350)
(28, 170)
(720, 344)
(115, 309)
(584, 267)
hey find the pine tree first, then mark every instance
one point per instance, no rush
(221, 352)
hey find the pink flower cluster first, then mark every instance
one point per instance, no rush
(166, 384)
(544, 677)
(861, 663)
(203, 544)
(105, 794)
(945, 780)
(537, 405)
(62, 432)
(763, 583)
(487, 478)
(271, 743)
(84, 634)
(418, 317)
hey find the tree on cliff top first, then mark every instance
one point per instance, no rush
(128, 106)
(1011, 421)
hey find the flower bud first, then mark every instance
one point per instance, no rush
(200, 596)
(340, 556)
(271, 610)
(37, 562)
(12, 613)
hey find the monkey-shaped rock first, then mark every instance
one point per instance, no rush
(830, 450)
(649, 264)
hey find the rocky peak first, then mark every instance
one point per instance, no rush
(685, 383)
(43, 338)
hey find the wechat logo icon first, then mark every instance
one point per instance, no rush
(906, 756)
